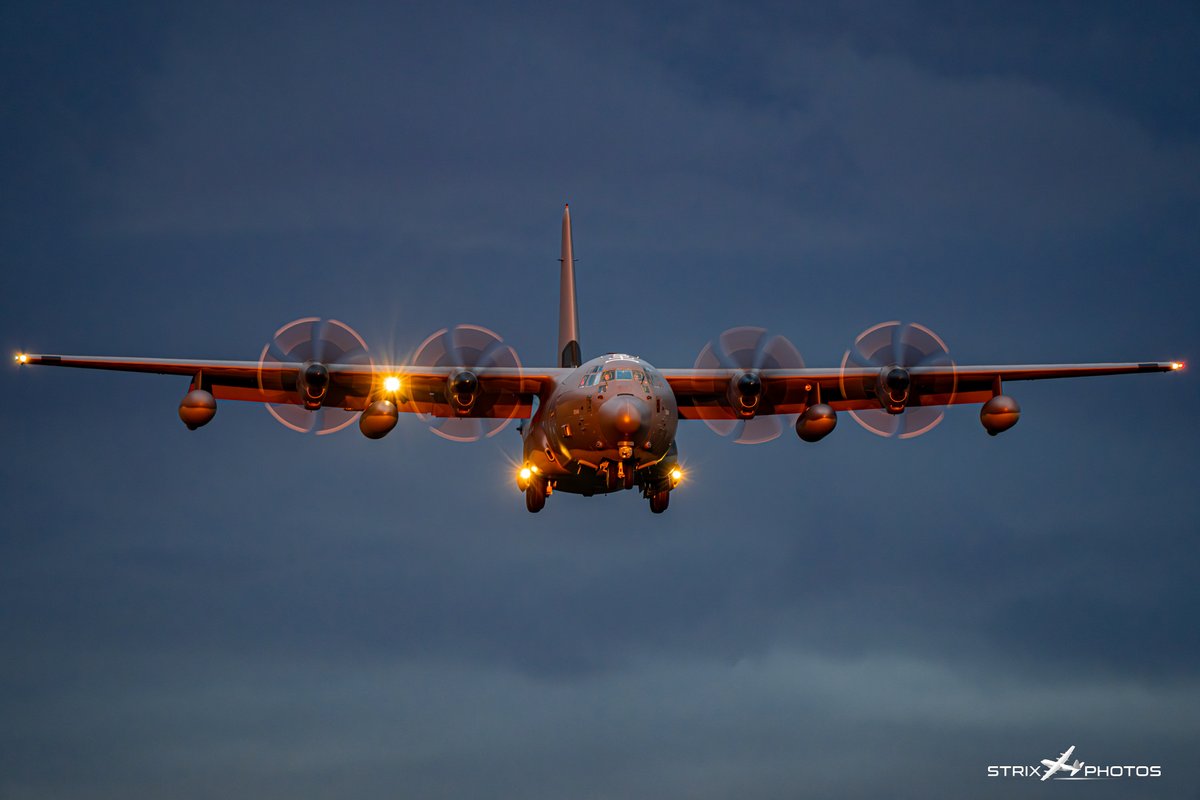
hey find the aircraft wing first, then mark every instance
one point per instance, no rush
(510, 392)
(705, 393)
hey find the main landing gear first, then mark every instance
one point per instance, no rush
(667, 476)
(655, 483)
(535, 496)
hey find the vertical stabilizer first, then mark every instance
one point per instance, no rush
(569, 354)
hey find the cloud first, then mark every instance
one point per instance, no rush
(763, 726)
(348, 121)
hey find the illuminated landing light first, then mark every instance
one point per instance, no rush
(22, 358)
(1174, 364)
(524, 478)
(676, 476)
(391, 384)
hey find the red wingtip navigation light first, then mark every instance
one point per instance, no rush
(1174, 364)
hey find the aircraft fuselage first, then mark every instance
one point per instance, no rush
(608, 425)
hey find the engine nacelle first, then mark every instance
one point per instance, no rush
(816, 422)
(378, 419)
(461, 390)
(197, 408)
(313, 383)
(999, 414)
(745, 391)
(891, 387)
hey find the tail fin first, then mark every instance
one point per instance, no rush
(569, 354)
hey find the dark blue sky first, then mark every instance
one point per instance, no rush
(244, 612)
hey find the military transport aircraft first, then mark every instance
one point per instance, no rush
(607, 424)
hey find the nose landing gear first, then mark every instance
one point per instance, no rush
(618, 475)
(659, 501)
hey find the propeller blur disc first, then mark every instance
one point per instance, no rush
(906, 345)
(305, 340)
(749, 349)
(477, 349)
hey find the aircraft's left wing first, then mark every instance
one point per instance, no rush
(711, 393)
(507, 392)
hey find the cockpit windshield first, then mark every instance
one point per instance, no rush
(596, 375)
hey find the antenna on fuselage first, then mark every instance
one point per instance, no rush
(569, 354)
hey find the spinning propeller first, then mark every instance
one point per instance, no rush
(749, 350)
(473, 350)
(893, 348)
(314, 343)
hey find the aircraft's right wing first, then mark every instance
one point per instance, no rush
(706, 394)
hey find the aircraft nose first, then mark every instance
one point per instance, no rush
(624, 414)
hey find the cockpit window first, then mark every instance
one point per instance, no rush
(615, 374)
(592, 376)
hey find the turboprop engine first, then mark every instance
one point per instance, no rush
(903, 366)
(745, 391)
(749, 355)
(891, 387)
(313, 383)
(461, 390)
(301, 358)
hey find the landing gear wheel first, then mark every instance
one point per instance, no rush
(535, 497)
(612, 482)
(659, 501)
(628, 480)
